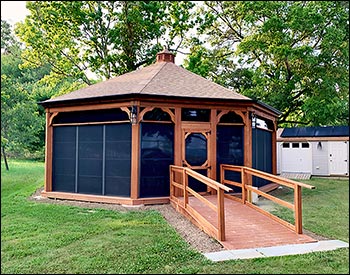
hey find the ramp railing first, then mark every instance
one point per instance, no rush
(180, 191)
(247, 190)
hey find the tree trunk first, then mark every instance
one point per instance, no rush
(5, 159)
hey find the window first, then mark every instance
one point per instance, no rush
(195, 115)
(285, 145)
(91, 116)
(231, 117)
(295, 145)
(157, 114)
(305, 145)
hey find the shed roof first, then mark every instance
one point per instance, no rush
(318, 131)
(159, 79)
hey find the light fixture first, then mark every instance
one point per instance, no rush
(253, 120)
(133, 115)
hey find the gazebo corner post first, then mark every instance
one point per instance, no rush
(135, 151)
(48, 152)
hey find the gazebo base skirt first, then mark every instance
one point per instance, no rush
(104, 199)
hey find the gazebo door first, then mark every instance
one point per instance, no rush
(195, 153)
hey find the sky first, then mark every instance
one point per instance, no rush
(15, 11)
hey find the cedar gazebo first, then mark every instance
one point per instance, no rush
(115, 140)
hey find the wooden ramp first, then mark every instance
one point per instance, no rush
(248, 228)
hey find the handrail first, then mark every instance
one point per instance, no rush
(246, 186)
(219, 232)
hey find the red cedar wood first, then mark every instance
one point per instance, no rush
(241, 108)
(296, 206)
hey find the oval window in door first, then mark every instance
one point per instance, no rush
(196, 149)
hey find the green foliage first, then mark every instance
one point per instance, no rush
(22, 119)
(107, 38)
(7, 39)
(291, 55)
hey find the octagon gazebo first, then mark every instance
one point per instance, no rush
(114, 141)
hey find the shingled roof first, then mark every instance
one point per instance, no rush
(163, 78)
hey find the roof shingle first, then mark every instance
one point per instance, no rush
(161, 78)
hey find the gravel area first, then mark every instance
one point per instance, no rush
(198, 239)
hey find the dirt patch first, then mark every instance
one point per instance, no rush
(198, 239)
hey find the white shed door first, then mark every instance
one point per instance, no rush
(338, 158)
(296, 157)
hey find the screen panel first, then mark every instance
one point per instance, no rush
(90, 154)
(118, 160)
(157, 153)
(262, 154)
(63, 159)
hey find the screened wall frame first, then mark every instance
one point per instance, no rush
(156, 152)
(148, 109)
(140, 108)
(102, 158)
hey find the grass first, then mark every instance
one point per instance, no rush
(48, 238)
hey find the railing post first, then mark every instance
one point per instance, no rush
(221, 215)
(243, 179)
(185, 182)
(171, 181)
(297, 209)
(222, 174)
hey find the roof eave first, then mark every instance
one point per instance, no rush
(132, 96)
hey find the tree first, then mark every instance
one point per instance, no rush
(22, 119)
(291, 55)
(107, 38)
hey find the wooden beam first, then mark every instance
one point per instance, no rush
(221, 215)
(274, 151)
(212, 141)
(135, 159)
(298, 211)
(52, 117)
(48, 153)
(90, 107)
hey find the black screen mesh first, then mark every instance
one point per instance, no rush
(262, 154)
(91, 116)
(118, 159)
(63, 166)
(90, 140)
(157, 153)
(92, 159)
(229, 148)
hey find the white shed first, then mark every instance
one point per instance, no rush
(318, 151)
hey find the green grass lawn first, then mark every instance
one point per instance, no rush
(49, 238)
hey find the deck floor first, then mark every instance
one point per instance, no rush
(248, 228)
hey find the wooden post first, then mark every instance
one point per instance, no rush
(248, 146)
(298, 210)
(171, 182)
(177, 146)
(212, 147)
(243, 179)
(222, 174)
(48, 153)
(185, 183)
(274, 150)
(221, 215)
(135, 158)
